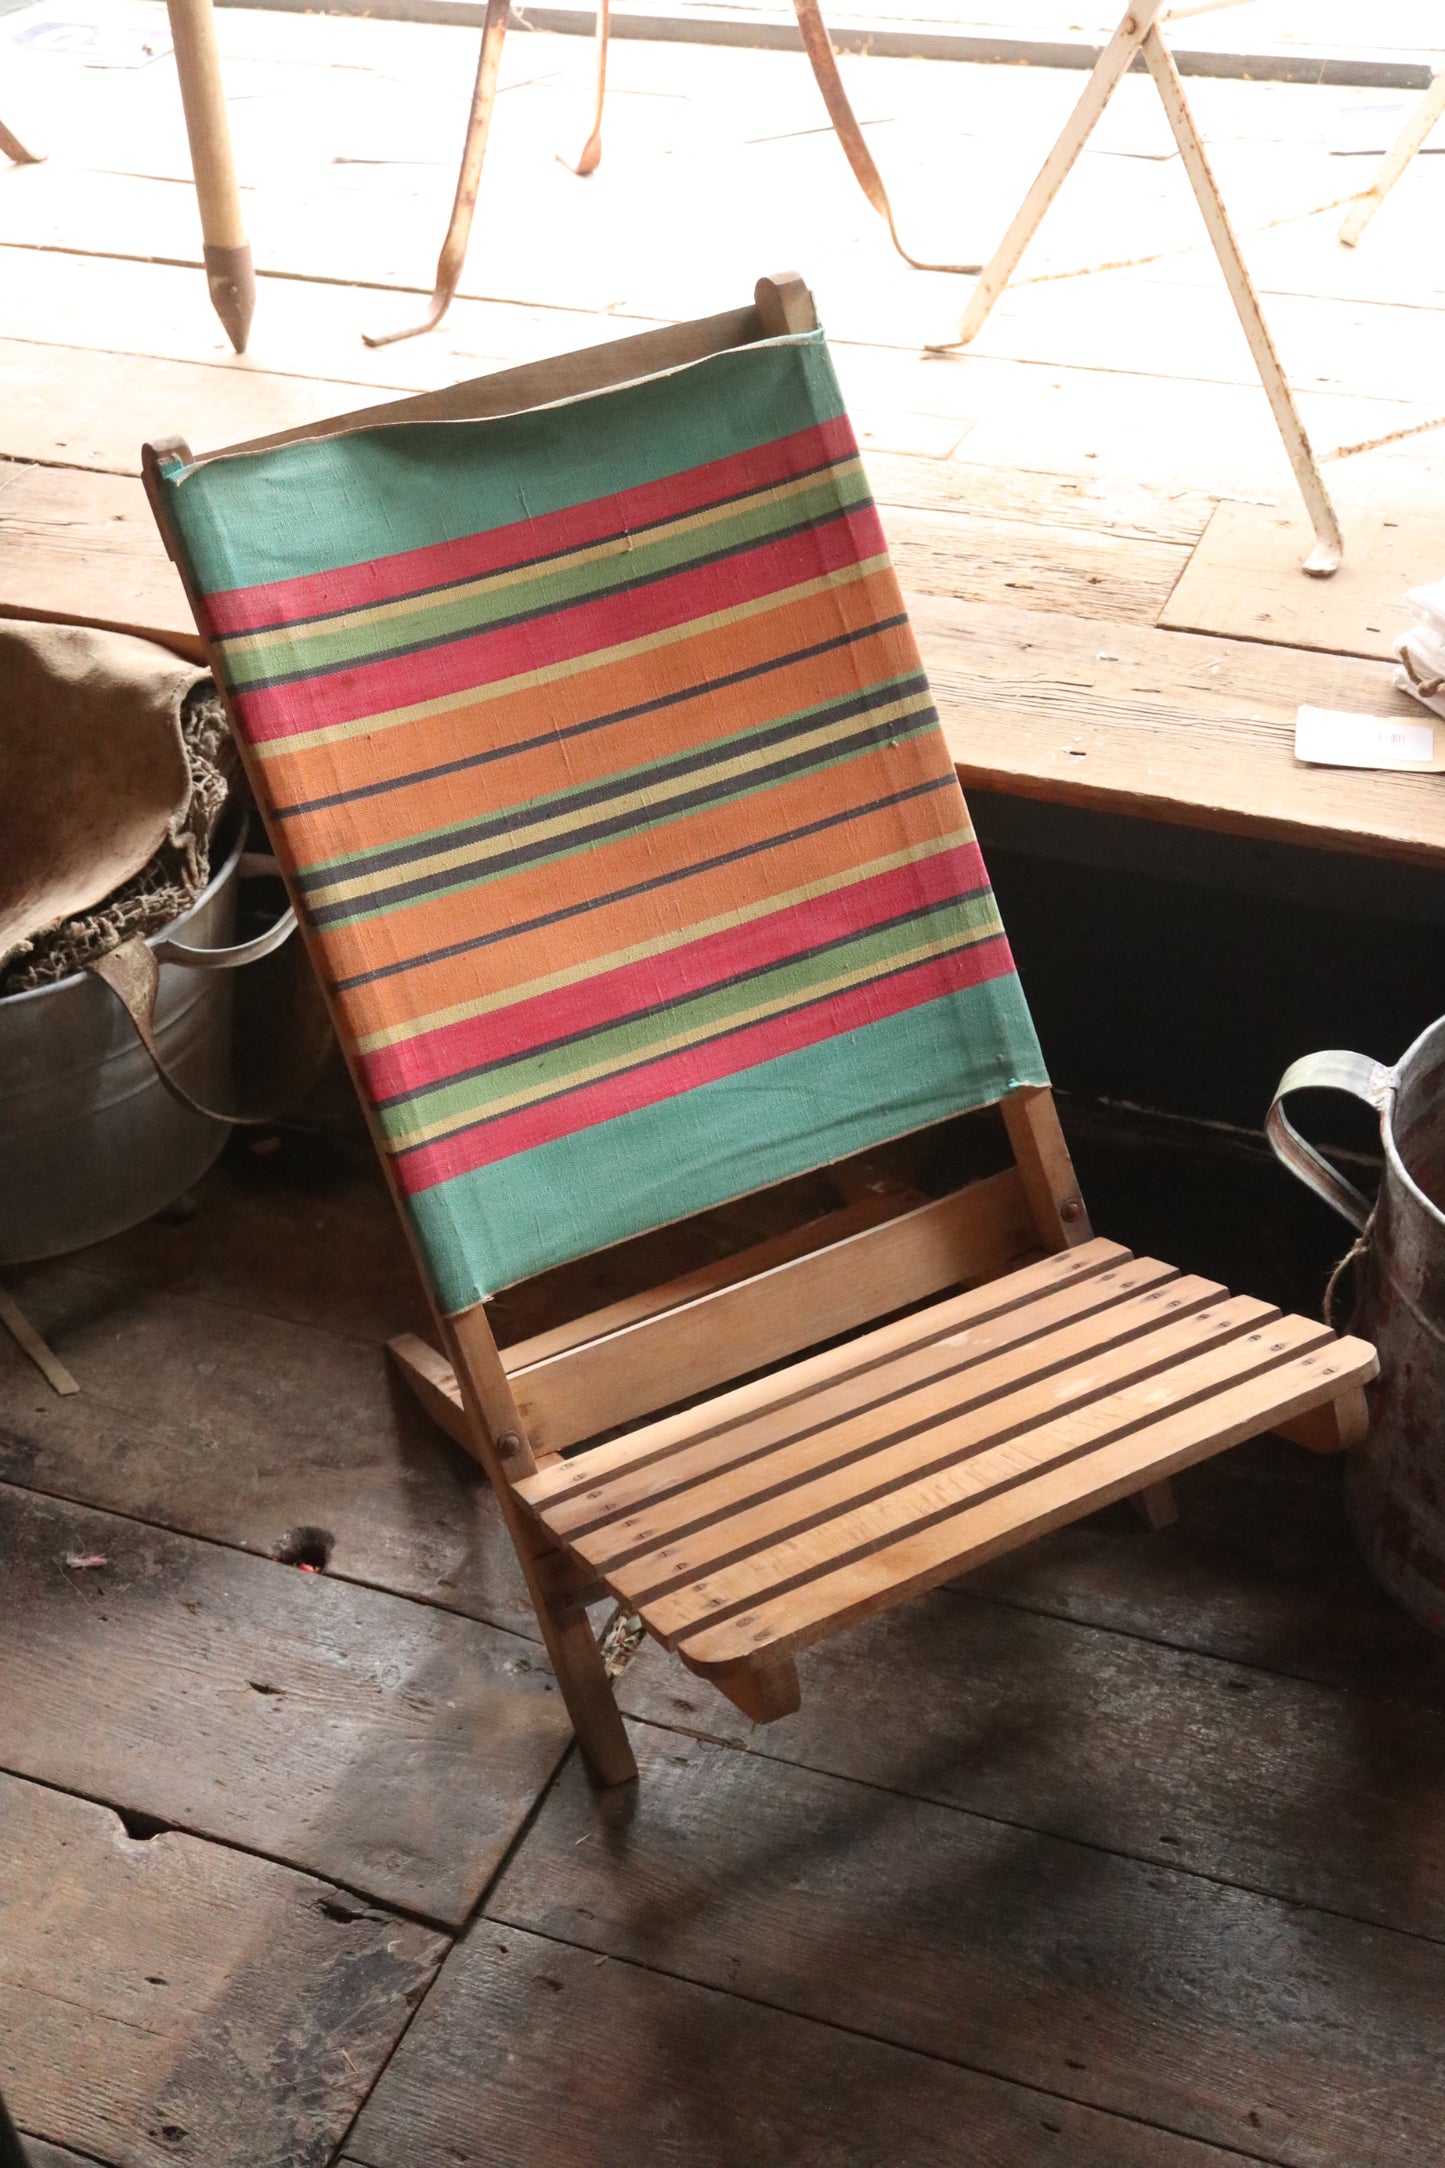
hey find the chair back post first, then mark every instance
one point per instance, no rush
(1045, 1168)
(785, 305)
(492, 1413)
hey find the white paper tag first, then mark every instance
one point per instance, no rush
(1335, 739)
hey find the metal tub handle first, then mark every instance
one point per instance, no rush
(168, 951)
(1332, 1070)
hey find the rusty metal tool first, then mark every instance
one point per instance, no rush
(819, 48)
(464, 204)
(15, 150)
(591, 156)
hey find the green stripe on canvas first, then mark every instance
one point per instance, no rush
(475, 605)
(686, 1022)
(510, 1219)
(256, 518)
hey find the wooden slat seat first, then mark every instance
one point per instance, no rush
(743, 1529)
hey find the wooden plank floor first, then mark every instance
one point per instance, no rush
(1124, 1854)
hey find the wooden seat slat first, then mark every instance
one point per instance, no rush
(876, 1497)
(1242, 1407)
(1082, 1358)
(652, 1441)
(957, 1364)
(1232, 1339)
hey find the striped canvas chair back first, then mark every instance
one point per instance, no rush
(596, 747)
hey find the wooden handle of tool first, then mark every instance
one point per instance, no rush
(198, 64)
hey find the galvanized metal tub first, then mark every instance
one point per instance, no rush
(1396, 1483)
(91, 1142)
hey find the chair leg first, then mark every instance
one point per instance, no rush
(1333, 1428)
(1324, 558)
(763, 1691)
(1110, 69)
(819, 49)
(1156, 1505)
(464, 203)
(226, 252)
(1410, 139)
(558, 1586)
(586, 1690)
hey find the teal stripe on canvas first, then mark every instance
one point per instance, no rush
(259, 517)
(515, 1217)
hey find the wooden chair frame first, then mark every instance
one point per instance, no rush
(517, 1409)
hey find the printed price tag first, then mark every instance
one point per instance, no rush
(1332, 738)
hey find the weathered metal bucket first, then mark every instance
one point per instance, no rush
(91, 1141)
(1396, 1484)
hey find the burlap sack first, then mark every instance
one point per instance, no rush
(113, 757)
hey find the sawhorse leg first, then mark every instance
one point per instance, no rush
(1410, 139)
(1139, 32)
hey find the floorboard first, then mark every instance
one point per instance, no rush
(1302, 1791)
(385, 1745)
(1172, 726)
(475, 2083)
(221, 1422)
(1260, 1570)
(1228, 2016)
(40, 2155)
(171, 2001)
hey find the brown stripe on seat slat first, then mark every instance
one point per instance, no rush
(1015, 1387)
(996, 1298)
(1231, 1340)
(851, 1589)
(1172, 1326)
(957, 1357)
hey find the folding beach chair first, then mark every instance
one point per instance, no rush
(583, 708)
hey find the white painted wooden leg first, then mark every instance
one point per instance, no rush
(1329, 547)
(1110, 68)
(1410, 139)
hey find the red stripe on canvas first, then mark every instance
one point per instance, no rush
(610, 1097)
(469, 557)
(592, 1004)
(375, 688)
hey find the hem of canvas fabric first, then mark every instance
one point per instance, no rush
(512, 1219)
(217, 565)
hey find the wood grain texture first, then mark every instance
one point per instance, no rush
(83, 548)
(164, 2000)
(743, 1512)
(874, 1557)
(40, 2155)
(1244, 580)
(1173, 726)
(1309, 1793)
(626, 1470)
(645, 1471)
(975, 1234)
(976, 558)
(1222, 2014)
(382, 1744)
(666, 2074)
(207, 1417)
(866, 1209)
(1261, 1569)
